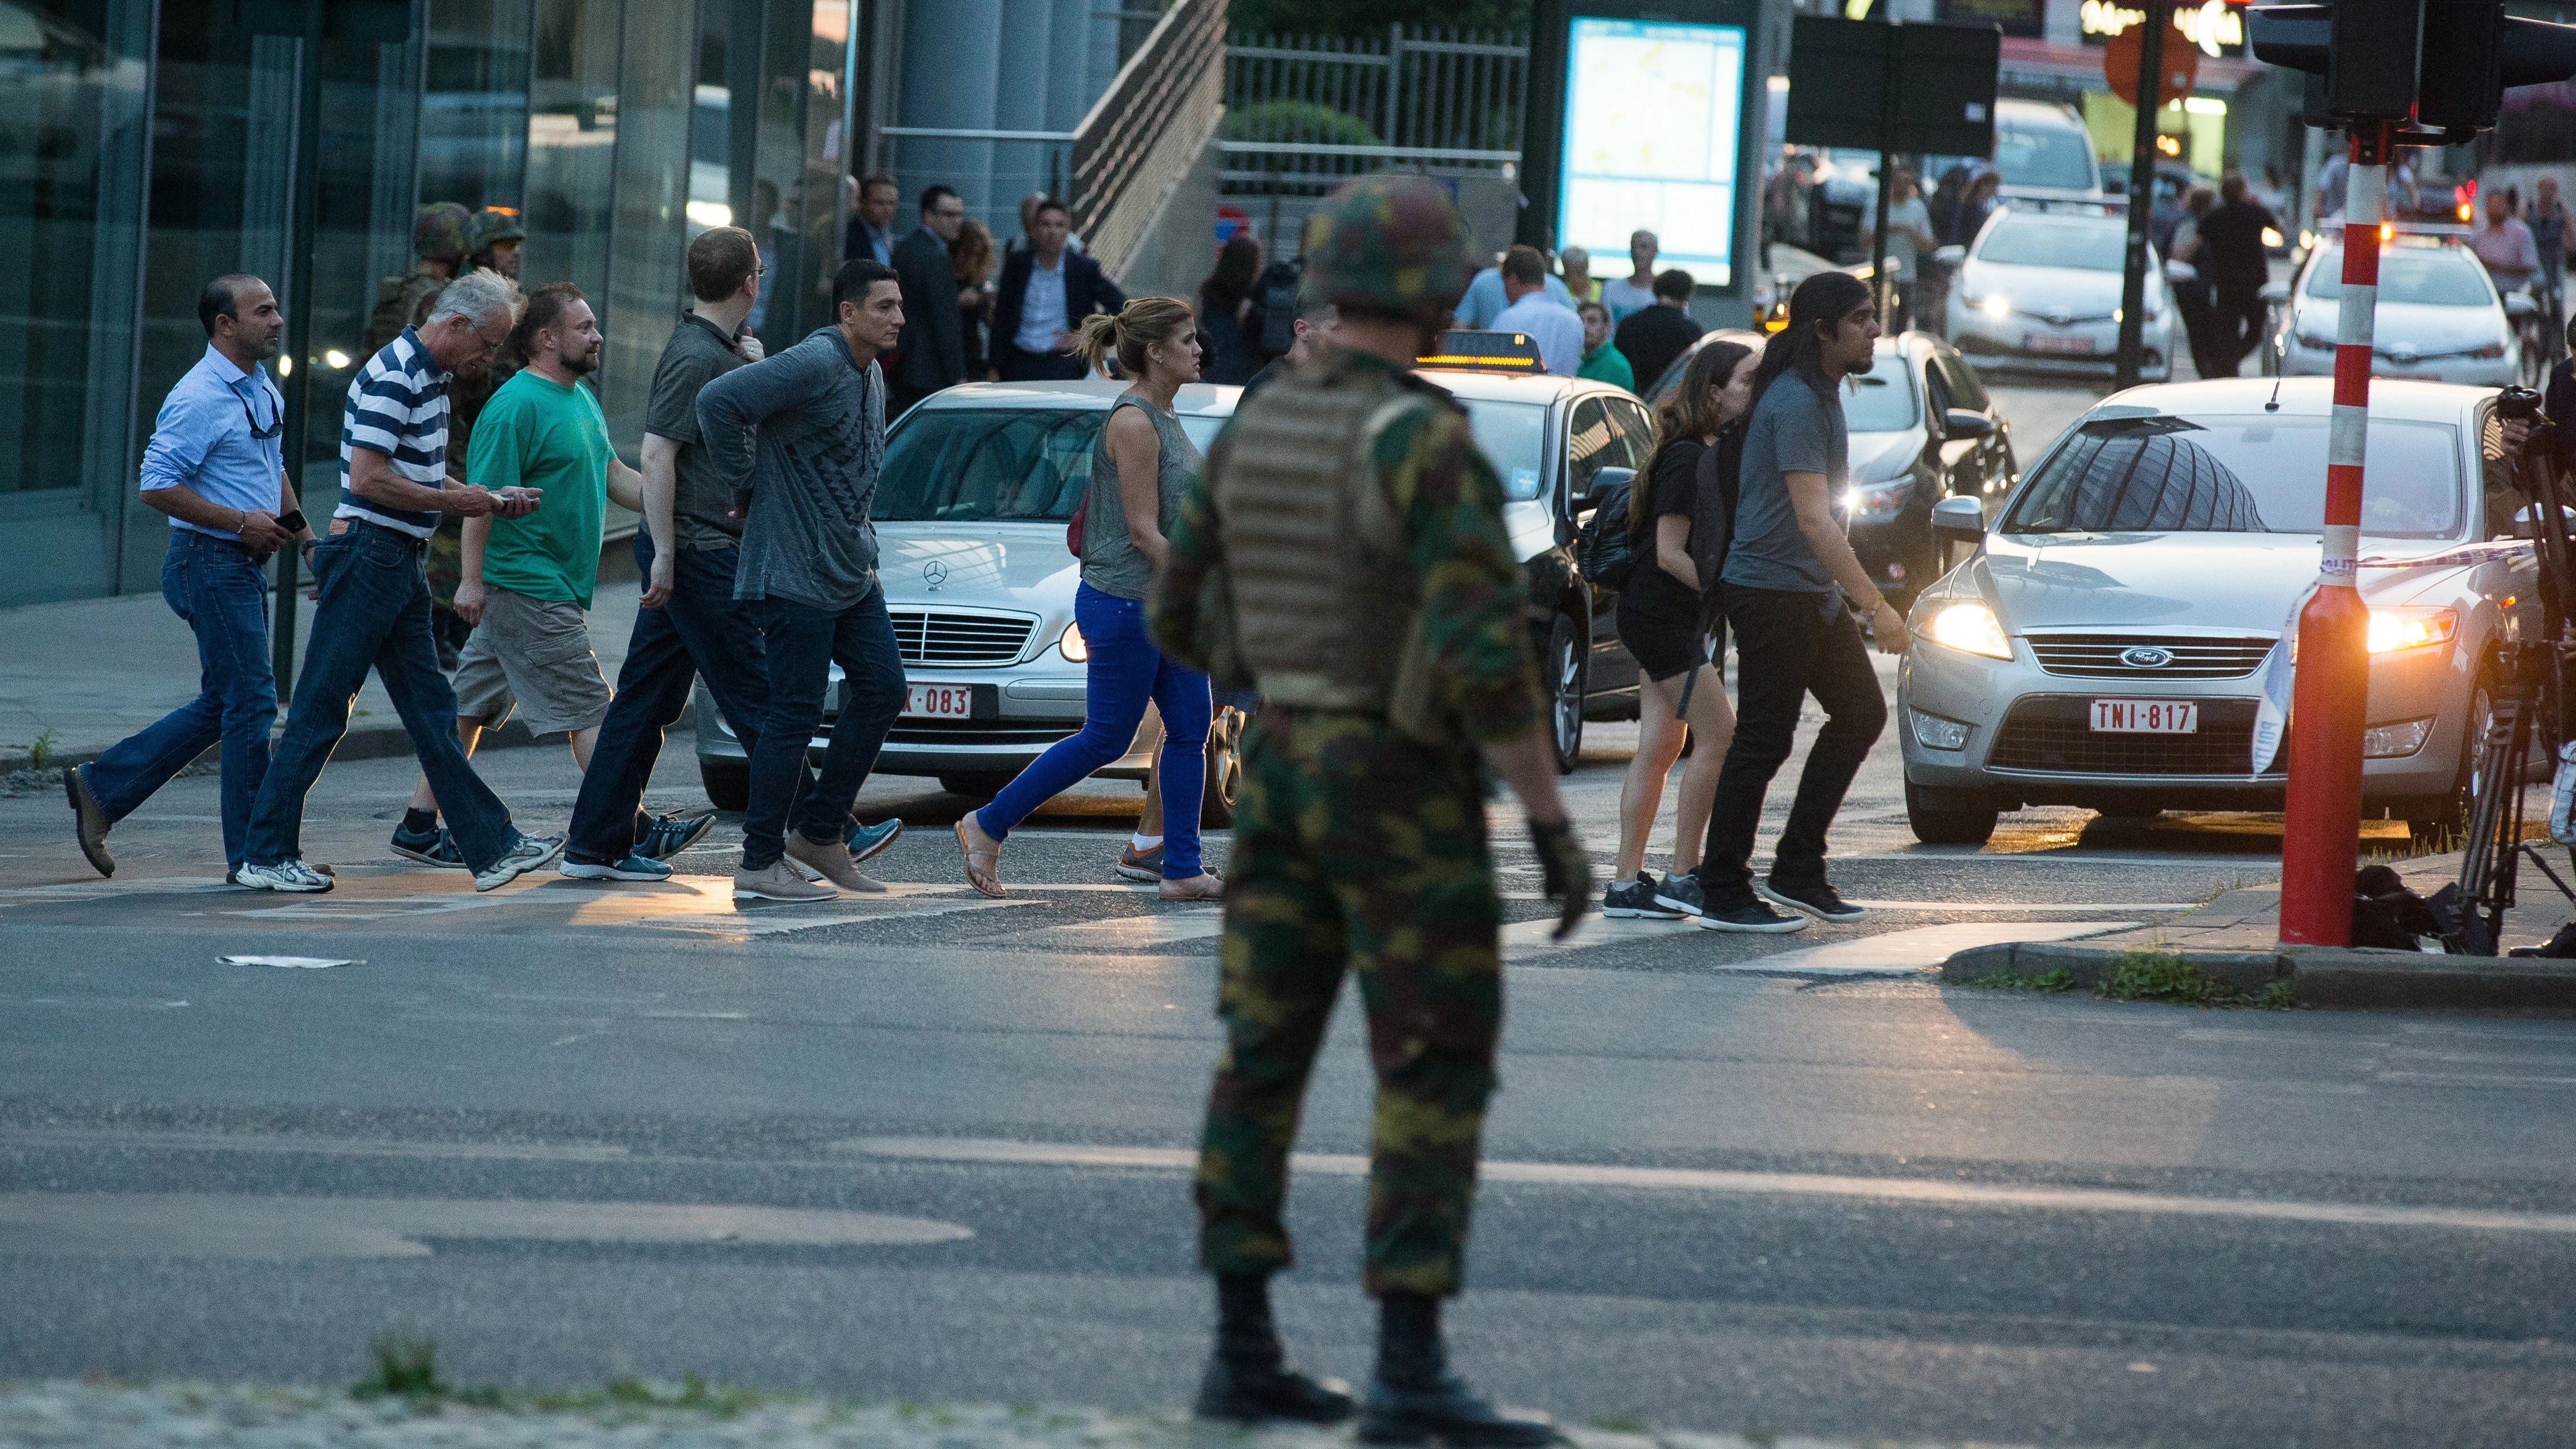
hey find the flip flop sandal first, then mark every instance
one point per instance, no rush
(986, 878)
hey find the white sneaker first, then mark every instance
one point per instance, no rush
(779, 882)
(527, 853)
(286, 875)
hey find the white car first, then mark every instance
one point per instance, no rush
(2104, 646)
(2439, 318)
(2039, 290)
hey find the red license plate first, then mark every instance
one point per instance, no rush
(940, 701)
(2050, 342)
(2146, 717)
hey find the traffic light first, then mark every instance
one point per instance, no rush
(2443, 64)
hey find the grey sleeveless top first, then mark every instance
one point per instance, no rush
(1110, 560)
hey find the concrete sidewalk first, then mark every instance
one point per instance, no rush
(81, 676)
(2235, 940)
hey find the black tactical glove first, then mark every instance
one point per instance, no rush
(1566, 872)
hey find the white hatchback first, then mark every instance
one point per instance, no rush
(2039, 291)
(2438, 319)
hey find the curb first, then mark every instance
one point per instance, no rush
(362, 742)
(2338, 977)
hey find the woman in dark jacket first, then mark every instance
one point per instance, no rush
(1680, 514)
(1230, 314)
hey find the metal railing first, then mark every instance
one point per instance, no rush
(1302, 113)
(1144, 133)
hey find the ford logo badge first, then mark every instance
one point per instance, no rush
(934, 573)
(2146, 656)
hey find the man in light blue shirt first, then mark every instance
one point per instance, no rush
(1485, 300)
(1557, 332)
(215, 466)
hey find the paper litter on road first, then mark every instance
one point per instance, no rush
(298, 963)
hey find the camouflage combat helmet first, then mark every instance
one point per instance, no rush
(438, 233)
(1390, 244)
(492, 224)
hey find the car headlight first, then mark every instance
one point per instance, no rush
(2395, 630)
(1996, 305)
(1878, 500)
(1071, 645)
(1969, 628)
(2490, 352)
(2272, 239)
(2316, 344)
(1933, 732)
(2390, 741)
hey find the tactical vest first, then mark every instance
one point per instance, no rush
(1324, 600)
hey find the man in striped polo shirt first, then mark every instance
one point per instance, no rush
(373, 607)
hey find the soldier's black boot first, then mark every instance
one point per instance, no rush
(1415, 1399)
(1247, 1378)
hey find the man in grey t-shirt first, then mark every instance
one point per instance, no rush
(1788, 571)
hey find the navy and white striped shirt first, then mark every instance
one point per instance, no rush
(398, 407)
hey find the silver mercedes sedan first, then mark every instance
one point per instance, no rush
(2103, 646)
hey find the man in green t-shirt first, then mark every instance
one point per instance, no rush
(1601, 361)
(528, 581)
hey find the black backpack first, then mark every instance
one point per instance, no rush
(1606, 551)
(1278, 308)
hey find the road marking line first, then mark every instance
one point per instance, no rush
(1128, 932)
(1774, 1184)
(1908, 953)
(2027, 906)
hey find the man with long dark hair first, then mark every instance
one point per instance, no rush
(1787, 576)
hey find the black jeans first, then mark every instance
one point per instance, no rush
(800, 644)
(1018, 366)
(1785, 649)
(699, 631)
(2237, 327)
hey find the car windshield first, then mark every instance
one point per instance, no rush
(1880, 400)
(976, 465)
(1514, 436)
(2443, 277)
(2218, 474)
(2051, 156)
(2085, 243)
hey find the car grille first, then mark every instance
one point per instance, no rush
(2193, 658)
(941, 636)
(979, 732)
(2053, 735)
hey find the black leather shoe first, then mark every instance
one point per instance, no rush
(1247, 1395)
(1451, 1414)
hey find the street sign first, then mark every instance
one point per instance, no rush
(2120, 59)
(1876, 87)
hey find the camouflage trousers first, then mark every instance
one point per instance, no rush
(1354, 849)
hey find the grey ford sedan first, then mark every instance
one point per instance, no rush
(2103, 646)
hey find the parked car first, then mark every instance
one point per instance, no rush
(977, 486)
(2104, 645)
(2039, 291)
(1922, 429)
(2439, 316)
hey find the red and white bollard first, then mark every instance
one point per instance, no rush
(2330, 693)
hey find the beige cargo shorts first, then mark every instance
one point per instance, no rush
(532, 654)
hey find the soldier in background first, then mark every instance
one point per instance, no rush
(1345, 554)
(493, 245)
(438, 237)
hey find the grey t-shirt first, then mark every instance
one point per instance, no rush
(696, 355)
(1794, 429)
(1111, 562)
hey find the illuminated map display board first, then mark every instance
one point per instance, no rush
(1652, 112)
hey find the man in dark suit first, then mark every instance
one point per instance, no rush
(1046, 291)
(870, 232)
(934, 335)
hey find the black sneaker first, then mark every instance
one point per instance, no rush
(1450, 1414)
(1680, 894)
(1751, 916)
(667, 835)
(1632, 900)
(1256, 1394)
(1817, 900)
(430, 847)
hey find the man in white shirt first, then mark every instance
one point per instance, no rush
(1485, 299)
(1636, 291)
(1528, 309)
(1909, 238)
(2506, 246)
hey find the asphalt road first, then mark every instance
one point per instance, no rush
(937, 1147)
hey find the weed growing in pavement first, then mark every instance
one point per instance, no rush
(406, 1367)
(1620, 1424)
(2279, 996)
(2051, 982)
(2157, 974)
(40, 750)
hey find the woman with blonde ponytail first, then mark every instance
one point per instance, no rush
(1141, 468)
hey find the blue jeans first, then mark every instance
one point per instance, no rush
(801, 643)
(700, 630)
(373, 612)
(213, 585)
(1126, 670)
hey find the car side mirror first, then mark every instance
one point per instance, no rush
(1960, 423)
(2181, 274)
(1949, 256)
(1602, 483)
(2518, 305)
(1959, 520)
(2276, 294)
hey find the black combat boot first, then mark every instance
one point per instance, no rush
(1415, 1399)
(1247, 1378)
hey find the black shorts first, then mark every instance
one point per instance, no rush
(1665, 644)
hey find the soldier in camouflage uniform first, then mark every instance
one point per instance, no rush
(492, 243)
(438, 238)
(1345, 554)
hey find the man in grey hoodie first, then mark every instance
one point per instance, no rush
(800, 436)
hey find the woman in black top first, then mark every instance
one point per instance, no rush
(1230, 315)
(1678, 531)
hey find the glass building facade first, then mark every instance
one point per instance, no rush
(147, 145)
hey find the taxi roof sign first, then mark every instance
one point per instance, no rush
(1461, 350)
